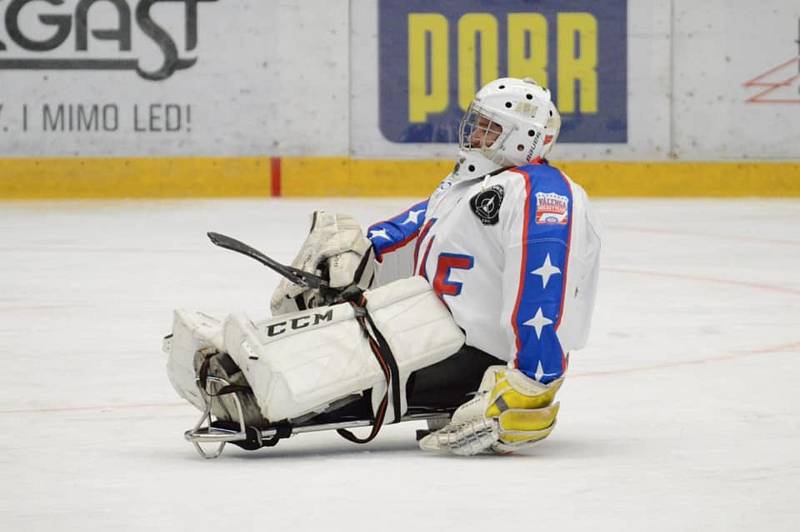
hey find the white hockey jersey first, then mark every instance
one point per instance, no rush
(513, 255)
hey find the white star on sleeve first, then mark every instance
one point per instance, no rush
(538, 322)
(413, 217)
(539, 371)
(546, 271)
(379, 233)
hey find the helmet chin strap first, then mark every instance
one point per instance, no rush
(471, 164)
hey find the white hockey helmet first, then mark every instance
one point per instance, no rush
(511, 122)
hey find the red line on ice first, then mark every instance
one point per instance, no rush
(792, 347)
(732, 282)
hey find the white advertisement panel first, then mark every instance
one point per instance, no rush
(737, 79)
(172, 77)
(386, 79)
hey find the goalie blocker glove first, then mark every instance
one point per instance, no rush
(509, 412)
(336, 250)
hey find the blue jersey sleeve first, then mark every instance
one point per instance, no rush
(397, 231)
(542, 229)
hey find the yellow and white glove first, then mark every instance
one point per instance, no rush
(335, 249)
(509, 412)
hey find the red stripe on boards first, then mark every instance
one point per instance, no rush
(275, 177)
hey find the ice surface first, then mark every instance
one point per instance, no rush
(681, 414)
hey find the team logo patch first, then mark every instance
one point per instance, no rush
(551, 208)
(486, 204)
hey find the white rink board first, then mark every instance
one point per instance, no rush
(300, 79)
(255, 76)
(718, 49)
(681, 414)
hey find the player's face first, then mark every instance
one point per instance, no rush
(485, 133)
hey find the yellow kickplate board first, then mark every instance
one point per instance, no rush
(210, 177)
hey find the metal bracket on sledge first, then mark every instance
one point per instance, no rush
(205, 433)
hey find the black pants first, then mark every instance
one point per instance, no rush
(442, 387)
(449, 383)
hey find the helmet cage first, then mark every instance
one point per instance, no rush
(483, 131)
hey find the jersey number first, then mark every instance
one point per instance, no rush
(442, 284)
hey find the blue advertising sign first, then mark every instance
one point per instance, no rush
(435, 55)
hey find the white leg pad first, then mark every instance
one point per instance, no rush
(192, 332)
(302, 362)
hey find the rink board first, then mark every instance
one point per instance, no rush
(340, 96)
(342, 177)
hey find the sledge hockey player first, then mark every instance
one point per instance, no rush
(507, 242)
(476, 297)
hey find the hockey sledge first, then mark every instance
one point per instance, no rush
(345, 365)
(210, 432)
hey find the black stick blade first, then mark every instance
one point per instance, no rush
(298, 277)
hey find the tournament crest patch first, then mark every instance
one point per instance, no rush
(551, 208)
(486, 204)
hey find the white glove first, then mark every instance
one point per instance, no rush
(335, 249)
(509, 412)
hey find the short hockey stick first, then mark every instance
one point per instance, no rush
(297, 276)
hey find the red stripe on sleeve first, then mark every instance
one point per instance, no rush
(566, 255)
(521, 285)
